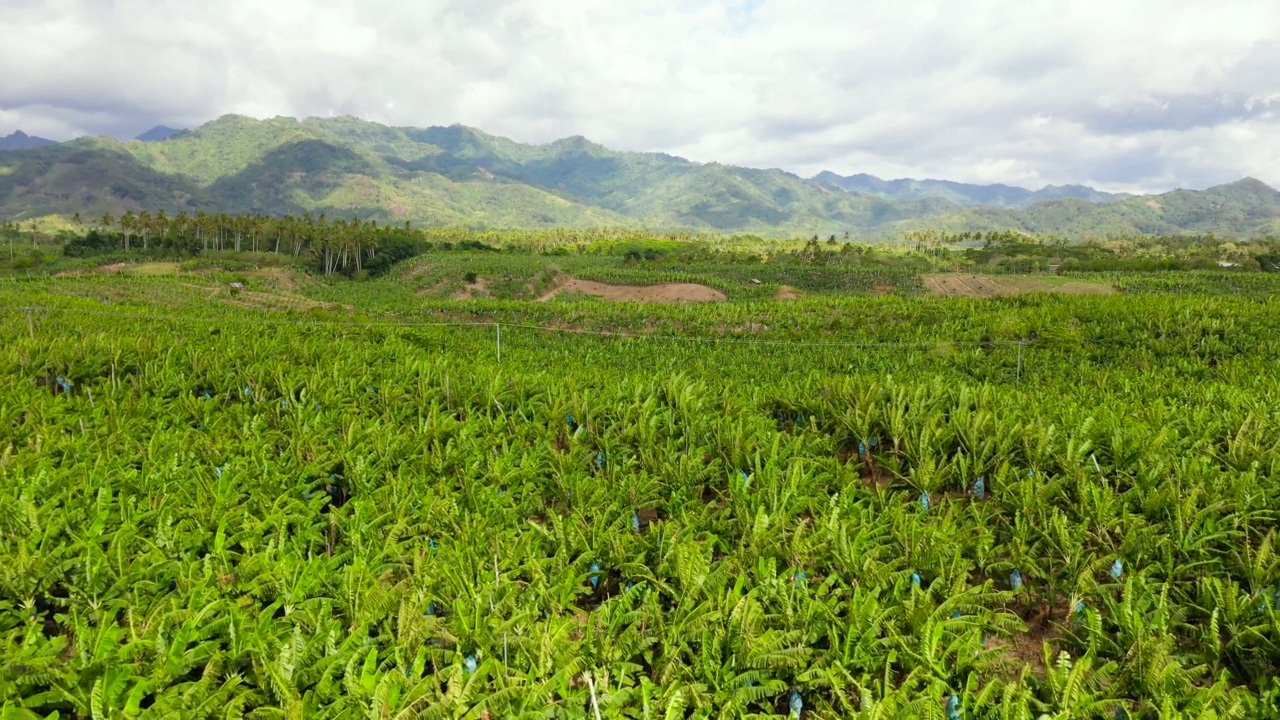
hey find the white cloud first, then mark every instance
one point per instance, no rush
(1122, 94)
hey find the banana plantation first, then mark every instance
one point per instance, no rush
(860, 507)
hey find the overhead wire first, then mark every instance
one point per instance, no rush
(494, 323)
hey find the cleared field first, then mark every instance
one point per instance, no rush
(664, 293)
(958, 285)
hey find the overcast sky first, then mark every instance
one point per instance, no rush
(1119, 94)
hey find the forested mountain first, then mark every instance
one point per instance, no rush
(18, 140)
(158, 133)
(462, 176)
(962, 193)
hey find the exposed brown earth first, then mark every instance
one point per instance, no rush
(278, 277)
(786, 292)
(473, 290)
(985, 286)
(276, 302)
(671, 292)
(419, 269)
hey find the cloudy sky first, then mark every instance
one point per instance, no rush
(1119, 94)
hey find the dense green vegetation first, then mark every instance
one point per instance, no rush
(521, 263)
(461, 176)
(874, 506)
(1008, 251)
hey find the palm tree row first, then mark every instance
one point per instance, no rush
(338, 243)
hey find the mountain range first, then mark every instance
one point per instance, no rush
(158, 133)
(460, 175)
(18, 140)
(962, 193)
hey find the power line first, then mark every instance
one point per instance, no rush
(487, 324)
(749, 341)
(235, 320)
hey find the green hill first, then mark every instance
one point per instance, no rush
(459, 175)
(91, 176)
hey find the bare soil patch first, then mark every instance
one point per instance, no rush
(155, 268)
(671, 292)
(277, 277)
(279, 302)
(124, 268)
(473, 290)
(544, 282)
(1084, 288)
(436, 290)
(210, 290)
(985, 286)
(786, 292)
(1025, 650)
(419, 269)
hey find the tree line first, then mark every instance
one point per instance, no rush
(339, 245)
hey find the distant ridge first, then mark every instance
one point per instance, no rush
(962, 193)
(18, 140)
(158, 133)
(456, 175)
